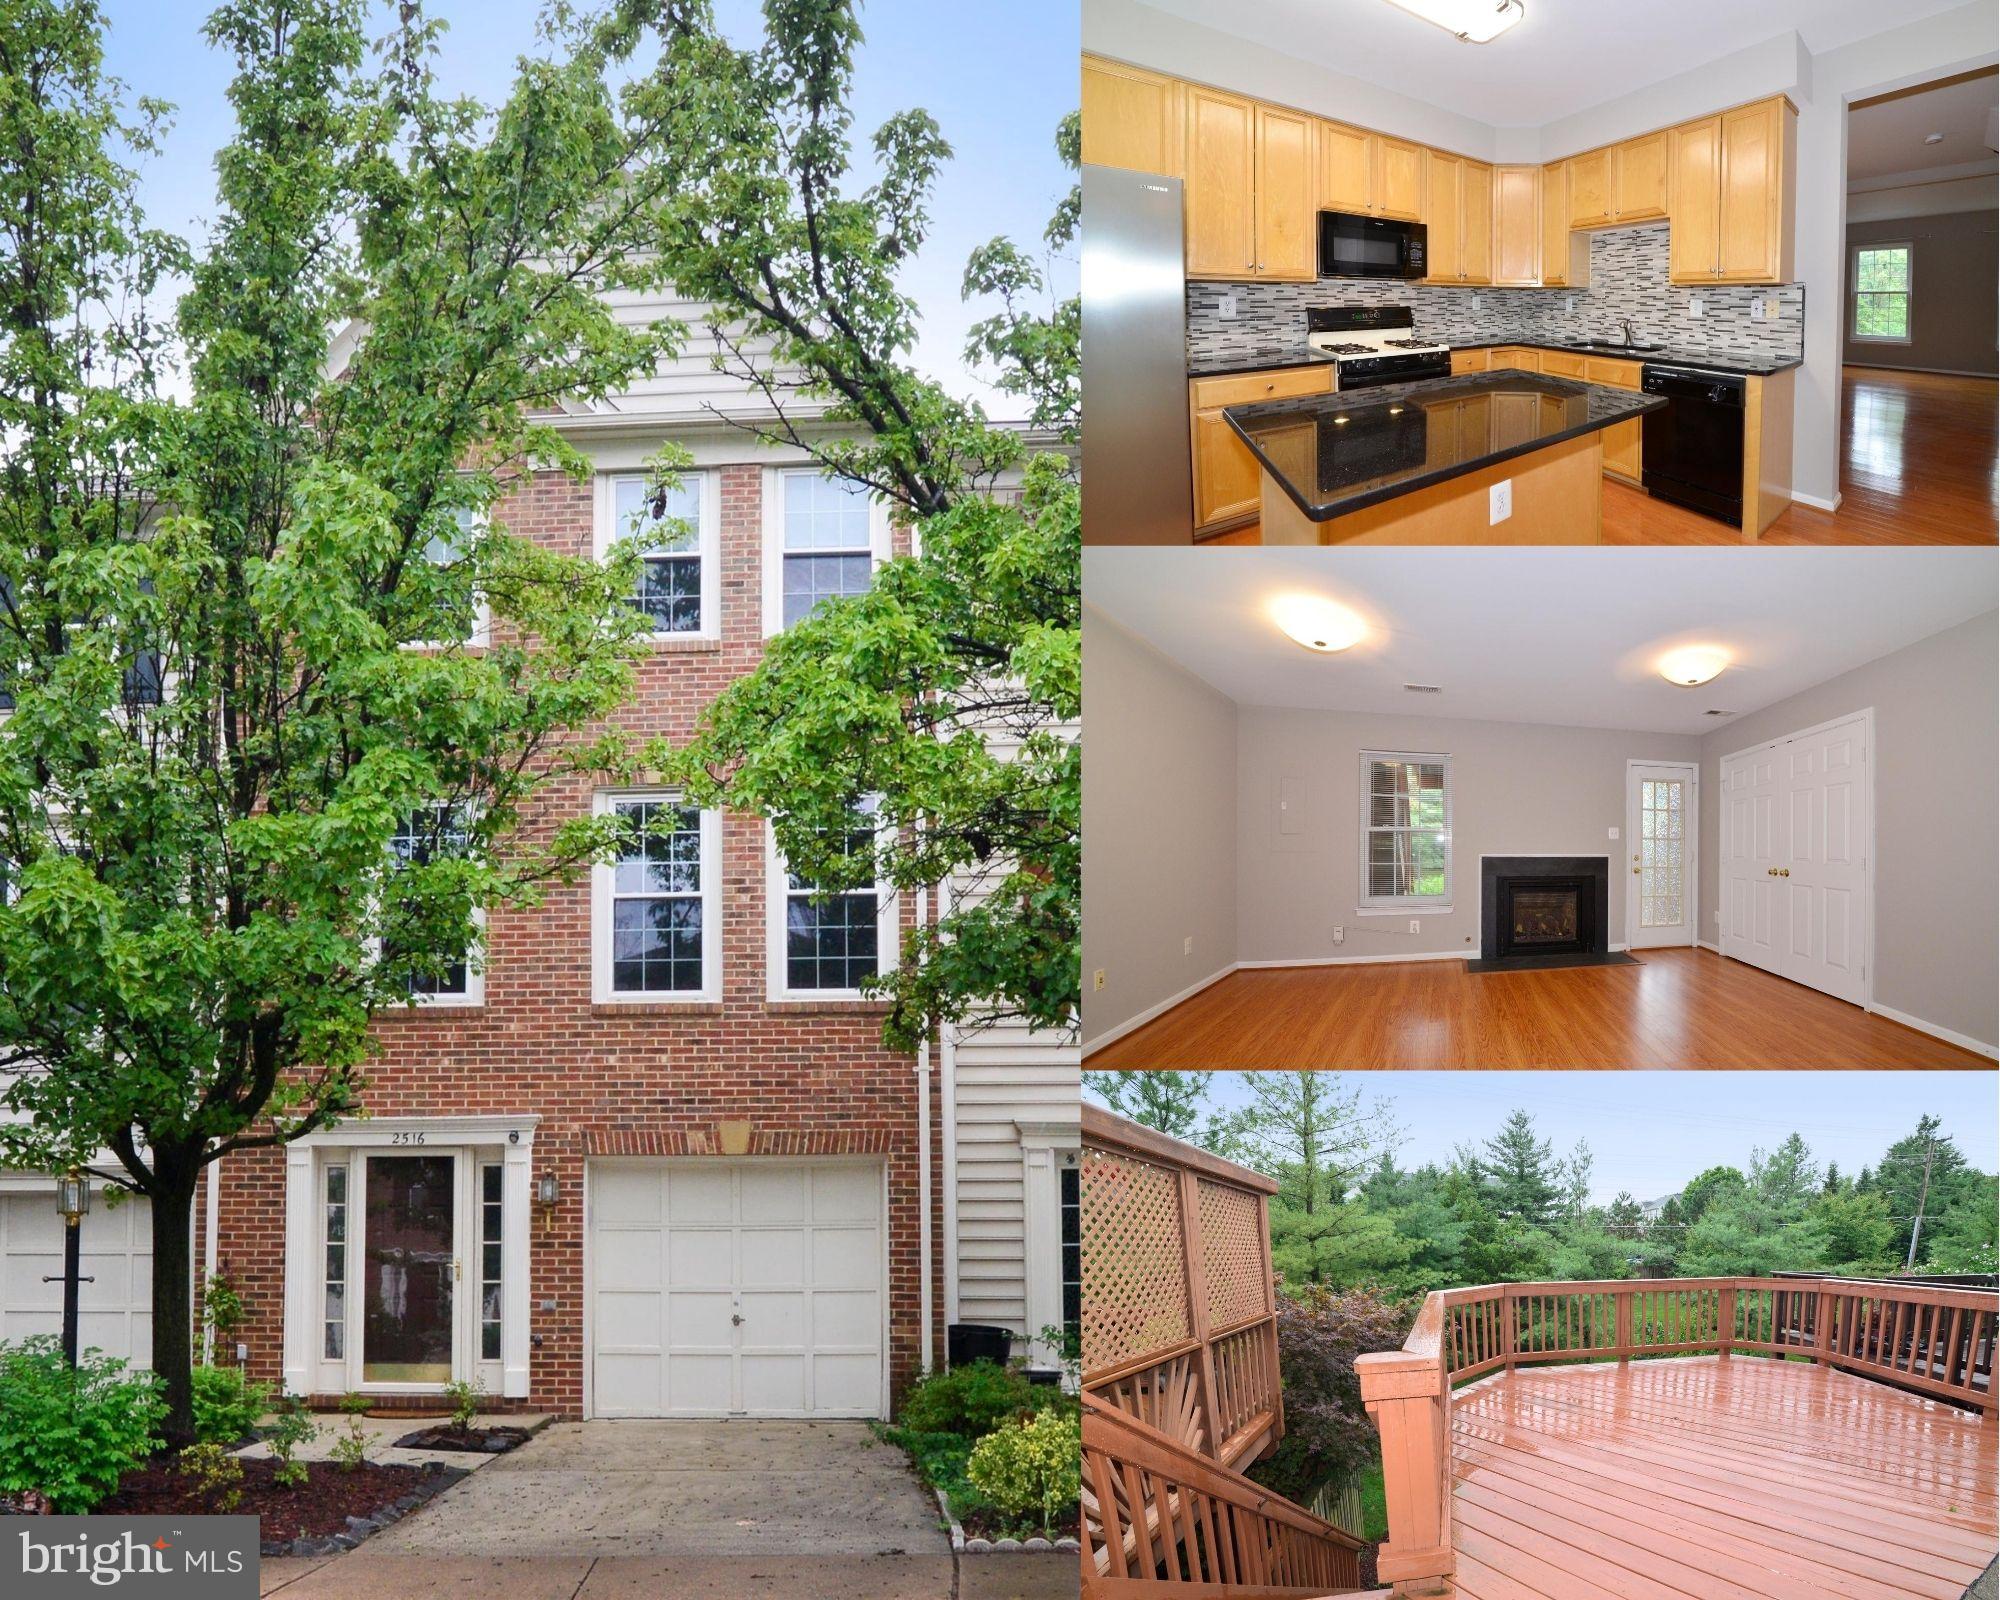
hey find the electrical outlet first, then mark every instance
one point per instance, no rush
(1757, 305)
(1225, 308)
(1415, 925)
(1477, 302)
(1569, 303)
(1097, 979)
(1187, 945)
(1500, 501)
(1613, 832)
(1697, 307)
(1339, 934)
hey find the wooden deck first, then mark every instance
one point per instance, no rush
(1712, 1478)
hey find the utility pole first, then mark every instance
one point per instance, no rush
(1923, 1194)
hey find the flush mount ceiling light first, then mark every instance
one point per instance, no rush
(1692, 666)
(1316, 622)
(1473, 21)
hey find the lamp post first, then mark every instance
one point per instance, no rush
(73, 1201)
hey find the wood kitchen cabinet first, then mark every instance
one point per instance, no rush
(1590, 189)
(1639, 179)
(1471, 361)
(1731, 178)
(1132, 118)
(1555, 222)
(1399, 179)
(1458, 210)
(1517, 226)
(1475, 248)
(1287, 204)
(1251, 197)
(1622, 441)
(1226, 481)
(1369, 175)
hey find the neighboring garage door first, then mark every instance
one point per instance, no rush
(751, 1288)
(115, 1310)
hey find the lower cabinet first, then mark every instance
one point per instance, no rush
(1621, 441)
(1226, 489)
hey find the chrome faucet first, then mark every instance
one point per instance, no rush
(1628, 331)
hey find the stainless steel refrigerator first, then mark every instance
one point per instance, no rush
(1137, 484)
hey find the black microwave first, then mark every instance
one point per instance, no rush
(1352, 246)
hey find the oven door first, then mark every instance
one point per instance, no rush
(1353, 246)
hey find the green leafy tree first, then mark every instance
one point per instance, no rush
(1922, 1174)
(1623, 1218)
(1171, 1102)
(948, 690)
(1787, 1177)
(1519, 1173)
(1859, 1232)
(1747, 1234)
(242, 814)
(1686, 1208)
(1966, 1233)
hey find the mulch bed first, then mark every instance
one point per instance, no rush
(481, 1441)
(334, 1509)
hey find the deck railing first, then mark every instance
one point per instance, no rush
(1180, 1324)
(1160, 1520)
(1930, 1340)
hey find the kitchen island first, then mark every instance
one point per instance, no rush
(1486, 458)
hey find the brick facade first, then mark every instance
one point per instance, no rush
(809, 1077)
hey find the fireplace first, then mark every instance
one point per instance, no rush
(1532, 908)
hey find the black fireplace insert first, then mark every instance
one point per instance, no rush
(1535, 907)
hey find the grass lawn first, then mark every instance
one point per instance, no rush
(1374, 1506)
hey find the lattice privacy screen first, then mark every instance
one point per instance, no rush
(1134, 1284)
(1232, 1255)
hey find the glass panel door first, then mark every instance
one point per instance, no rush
(1662, 879)
(408, 1213)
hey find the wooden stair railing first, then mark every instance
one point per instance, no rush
(1931, 1340)
(1161, 1521)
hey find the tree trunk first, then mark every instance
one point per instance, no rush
(173, 1191)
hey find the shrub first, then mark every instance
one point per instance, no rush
(213, 1473)
(973, 1400)
(292, 1429)
(221, 1307)
(351, 1448)
(70, 1436)
(464, 1398)
(1329, 1436)
(226, 1404)
(1032, 1469)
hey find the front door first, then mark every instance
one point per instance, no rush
(1660, 814)
(409, 1298)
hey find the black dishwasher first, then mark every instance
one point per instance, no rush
(1694, 444)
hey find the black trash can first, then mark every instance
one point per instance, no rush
(977, 1341)
(1045, 1377)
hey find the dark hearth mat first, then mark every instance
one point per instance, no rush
(1616, 958)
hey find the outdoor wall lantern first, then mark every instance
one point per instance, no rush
(545, 1196)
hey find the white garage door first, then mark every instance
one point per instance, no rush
(115, 1310)
(751, 1288)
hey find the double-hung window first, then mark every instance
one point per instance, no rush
(675, 531)
(823, 538)
(1405, 831)
(1881, 286)
(432, 833)
(457, 614)
(830, 942)
(657, 932)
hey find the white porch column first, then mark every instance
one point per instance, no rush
(1046, 1148)
(516, 1177)
(299, 1269)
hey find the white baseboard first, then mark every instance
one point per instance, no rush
(1703, 944)
(1814, 500)
(1359, 961)
(1615, 948)
(1166, 1005)
(1964, 1041)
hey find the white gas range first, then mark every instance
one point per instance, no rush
(1375, 344)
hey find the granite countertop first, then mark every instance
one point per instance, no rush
(1746, 366)
(1337, 453)
(1263, 358)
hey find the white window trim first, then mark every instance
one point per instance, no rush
(1046, 1147)
(707, 485)
(602, 878)
(475, 973)
(1854, 292)
(1367, 905)
(771, 500)
(888, 926)
(482, 614)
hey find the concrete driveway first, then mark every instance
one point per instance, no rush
(706, 1511)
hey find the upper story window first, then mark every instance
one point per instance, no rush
(656, 929)
(1882, 288)
(823, 538)
(1405, 830)
(428, 834)
(678, 584)
(831, 943)
(462, 616)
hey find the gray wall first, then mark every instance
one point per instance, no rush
(1955, 275)
(1518, 789)
(1936, 794)
(1159, 827)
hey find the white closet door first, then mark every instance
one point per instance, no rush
(1752, 846)
(1821, 880)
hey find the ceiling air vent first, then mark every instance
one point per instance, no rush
(1718, 713)
(1423, 688)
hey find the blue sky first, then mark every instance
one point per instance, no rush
(997, 78)
(1652, 1131)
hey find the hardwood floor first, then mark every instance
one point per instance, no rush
(1704, 1478)
(1676, 1008)
(1919, 464)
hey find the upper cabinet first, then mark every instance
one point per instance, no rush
(1517, 226)
(1590, 189)
(1731, 179)
(1251, 188)
(1444, 199)
(1368, 174)
(1131, 118)
(1639, 179)
(1476, 226)
(1555, 223)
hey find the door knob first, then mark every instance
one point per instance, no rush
(1770, 872)
(737, 1319)
(1784, 872)
(1635, 872)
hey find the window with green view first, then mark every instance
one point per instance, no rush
(1882, 292)
(1406, 829)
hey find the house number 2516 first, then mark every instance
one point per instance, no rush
(408, 1138)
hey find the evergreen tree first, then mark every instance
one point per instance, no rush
(1966, 1234)
(1923, 1174)
(1860, 1235)
(1171, 1102)
(1624, 1218)
(1518, 1173)
(1788, 1176)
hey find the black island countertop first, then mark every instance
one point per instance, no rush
(1336, 453)
(1297, 353)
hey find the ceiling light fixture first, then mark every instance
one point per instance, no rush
(1933, 138)
(1472, 21)
(1695, 665)
(1316, 622)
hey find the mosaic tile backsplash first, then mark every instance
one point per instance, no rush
(1628, 283)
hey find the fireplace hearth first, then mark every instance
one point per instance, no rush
(1544, 911)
